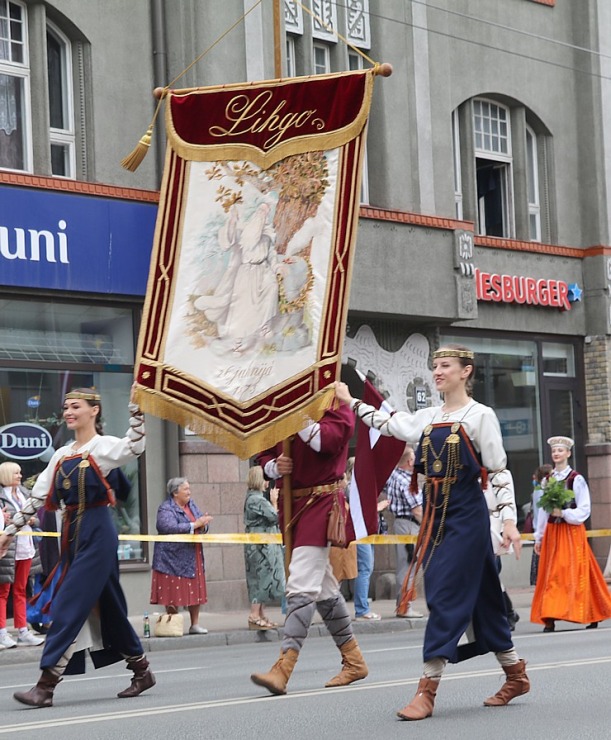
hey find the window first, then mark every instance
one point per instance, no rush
(493, 168)
(291, 64)
(321, 59)
(61, 117)
(17, 112)
(534, 211)
(15, 145)
(497, 168)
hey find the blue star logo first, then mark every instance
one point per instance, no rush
(575, 292)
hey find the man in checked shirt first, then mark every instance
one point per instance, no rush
(407, 510)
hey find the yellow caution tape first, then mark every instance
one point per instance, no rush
(276, 539)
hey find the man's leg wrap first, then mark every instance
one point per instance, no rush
(334, 613)
(299, 612)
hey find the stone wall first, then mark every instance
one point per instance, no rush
(218, 485)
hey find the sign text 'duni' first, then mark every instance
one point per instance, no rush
(34, 245)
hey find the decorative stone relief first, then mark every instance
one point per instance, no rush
(403, 375)
(326, 11)
(293, 17)
(465, 277)
(358, 31)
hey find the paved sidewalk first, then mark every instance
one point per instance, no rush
(231, 627)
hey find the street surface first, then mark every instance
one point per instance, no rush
(206, 693)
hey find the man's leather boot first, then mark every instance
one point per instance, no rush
(142, 679)
(516, 684)
(354, 667)
(421, 706)
(276, 679)
(40, 695)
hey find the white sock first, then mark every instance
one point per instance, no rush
(508, 657)
(3, 632)
(23, 630)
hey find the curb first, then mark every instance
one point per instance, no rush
(22, 655)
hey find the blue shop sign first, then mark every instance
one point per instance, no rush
(69, 242)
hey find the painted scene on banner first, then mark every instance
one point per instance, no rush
(247, 303)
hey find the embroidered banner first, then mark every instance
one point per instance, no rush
(248, 289)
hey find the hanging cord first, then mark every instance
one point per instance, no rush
(334, 31)
(133, 160)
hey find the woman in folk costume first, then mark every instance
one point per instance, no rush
(88, 593)
(460, 448)
(570, 585)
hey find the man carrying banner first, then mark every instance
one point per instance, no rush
(316, 465)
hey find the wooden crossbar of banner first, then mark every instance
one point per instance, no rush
(276, 539)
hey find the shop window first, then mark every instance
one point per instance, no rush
(506, 380)
(558, 360)
(17, 111)
(49, 348)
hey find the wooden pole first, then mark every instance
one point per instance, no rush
(287, 509)
(277, 39)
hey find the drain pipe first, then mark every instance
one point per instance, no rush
(160, 78)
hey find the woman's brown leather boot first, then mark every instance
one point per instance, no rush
(421, 706)
(40, 695)
(516, 684)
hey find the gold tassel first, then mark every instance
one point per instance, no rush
(133, 160)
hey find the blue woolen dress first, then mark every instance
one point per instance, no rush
(467, 613)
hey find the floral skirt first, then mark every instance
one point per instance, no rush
(179, 591)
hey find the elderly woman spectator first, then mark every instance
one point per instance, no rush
(264, 563)
(16, 564)
(179, 577)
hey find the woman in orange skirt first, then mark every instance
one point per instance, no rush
(570, 585)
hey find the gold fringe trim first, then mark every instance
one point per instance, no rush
(297, 145)
(243, 445)
(132, 161)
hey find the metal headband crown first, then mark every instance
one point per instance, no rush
(463, 354)
(83, 396)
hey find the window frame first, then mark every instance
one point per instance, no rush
(65, 137)
(505, 163)
(21, 71)
(321, 46)
(532, 172)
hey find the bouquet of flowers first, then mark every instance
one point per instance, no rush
(555, 495)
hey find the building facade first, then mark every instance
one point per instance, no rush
(485, 217)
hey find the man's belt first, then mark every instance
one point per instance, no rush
(316, 490)
(409, 517)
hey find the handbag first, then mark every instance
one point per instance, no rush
(169, 625)
(336, 524)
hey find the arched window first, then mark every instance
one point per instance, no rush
(498, 170)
